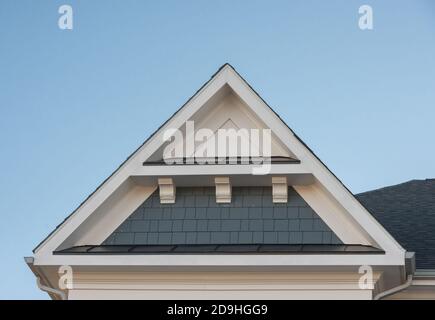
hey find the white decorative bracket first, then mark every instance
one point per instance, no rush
(223, 189)
(167, 190)
(279, 189)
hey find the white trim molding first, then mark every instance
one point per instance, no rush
(220, 285)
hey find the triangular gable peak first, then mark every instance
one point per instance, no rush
(225, 101)
(226, 113)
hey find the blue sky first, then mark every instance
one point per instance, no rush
(74, 104)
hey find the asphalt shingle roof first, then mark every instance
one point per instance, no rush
(407, 211)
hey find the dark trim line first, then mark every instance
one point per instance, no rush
(219, 249)
(223, 161)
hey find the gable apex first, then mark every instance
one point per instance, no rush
(336, 205)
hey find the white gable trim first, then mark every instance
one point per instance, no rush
(134, 162)
(367, 228)
(242, 260)
(318, 169)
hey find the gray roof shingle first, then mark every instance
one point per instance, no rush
(196, 218)
(407, 211)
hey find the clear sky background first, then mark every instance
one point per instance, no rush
(74, 104)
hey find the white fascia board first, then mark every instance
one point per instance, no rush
(334, 215)
(216, 169)
(112, 211)
(363, 219)
(223, 260)
(131, 165)
(82, 213)
(109, 216)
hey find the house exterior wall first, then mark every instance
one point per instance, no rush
(219, 285)
(232, 294)
(415, 292)
(250, 218)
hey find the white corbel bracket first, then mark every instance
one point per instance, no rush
(167, 190)
(279, 189)
(223, 189)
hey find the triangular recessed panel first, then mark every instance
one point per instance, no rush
(225, 110)
(196, 218)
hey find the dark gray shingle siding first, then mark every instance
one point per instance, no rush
(251, 218)
(407, 211)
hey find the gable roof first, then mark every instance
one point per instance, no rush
(350, 220)
(407, 211)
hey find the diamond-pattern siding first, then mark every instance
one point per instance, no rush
(196, 218)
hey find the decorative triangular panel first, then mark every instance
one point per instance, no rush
(226, 111)
(196, 218)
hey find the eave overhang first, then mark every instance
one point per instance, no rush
(241, 174)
